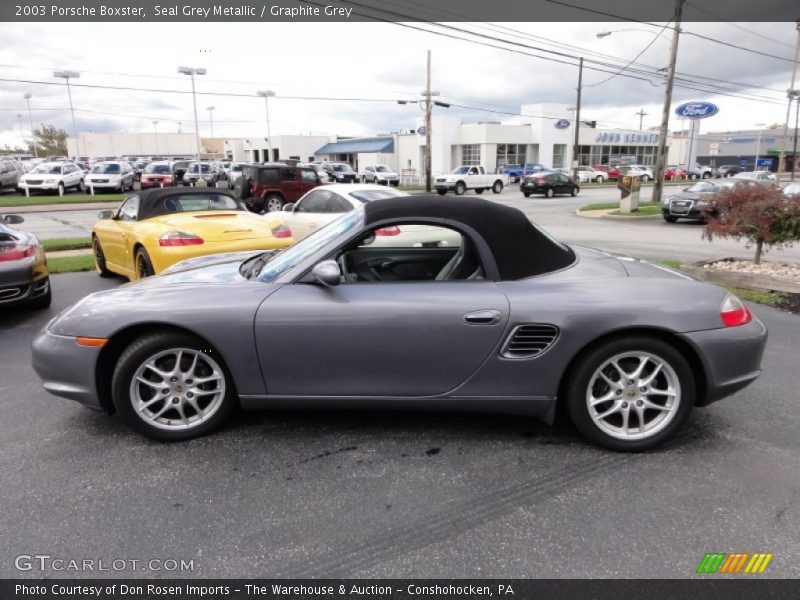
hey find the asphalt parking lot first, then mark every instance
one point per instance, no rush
(363, 494)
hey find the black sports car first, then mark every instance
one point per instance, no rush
(549, 183)
(24, 278)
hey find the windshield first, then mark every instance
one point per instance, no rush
(54, 169)
(702, 187)
(160, 169)
(383, 169)
(460, 170)
(237, 168)
(370, 195)
(305, 248)
(339, 168)
(204, 168)
(107, 168)
(180, 165)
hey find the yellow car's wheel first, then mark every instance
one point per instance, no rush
(99, 259)
(144, 267)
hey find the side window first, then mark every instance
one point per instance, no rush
(3, 167)
(129, 211)
(288, 174)
(336, 204)
(269, 176)
(308, 175)
(314, 202)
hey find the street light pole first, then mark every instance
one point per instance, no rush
(661, 157)
(782, 154)
(66, 74)
(758, 144)
(794, 149)
(210, 110)
(428, 95)
(267, 94)
(155, 129)
(576, 145)
(21, 131)
(27, 96)
(191, 72)
(642, 115)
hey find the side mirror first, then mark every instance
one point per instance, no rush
(13, 219)
(327, 273)
(105, 214)
(288, 207)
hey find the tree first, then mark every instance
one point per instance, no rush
(764, 216)
(48, 140)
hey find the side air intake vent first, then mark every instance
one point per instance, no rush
(529, 340)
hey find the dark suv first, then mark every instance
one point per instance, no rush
(10, 172)
(266, 188)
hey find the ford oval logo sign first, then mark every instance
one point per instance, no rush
(697, 110)
(562, 124)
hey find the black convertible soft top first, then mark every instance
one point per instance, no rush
(520, 248)
(154, 202)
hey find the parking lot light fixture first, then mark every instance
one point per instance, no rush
(267, 94)
(155, 131)
(67, 75)
(191, 72)
(28, 96)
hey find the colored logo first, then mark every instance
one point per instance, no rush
(697, 110)
(734, 563)
(562, 124)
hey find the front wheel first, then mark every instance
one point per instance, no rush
(497, 187)
(273, 203)
(573, 192)
(172, 386)
(527, 194)
(549, 193)
(460, 188)
(598, 179)
(81, 187)
(631, 393)
(645, 178)
(61, 189)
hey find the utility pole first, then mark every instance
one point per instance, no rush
(21, 131)
(661, 157)
(27, 96)
(155, 130)
(789, 93)
(428, 105)
(576, 145)
(267, 94)
(210, 110)
(794, 150)
(642, 115)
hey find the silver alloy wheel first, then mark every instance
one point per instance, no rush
(177, 389)
(633, 384)
(274, 204)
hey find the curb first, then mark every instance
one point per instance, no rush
(604, 213)
(37, 208)
(744, 280)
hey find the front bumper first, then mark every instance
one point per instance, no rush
(692, 212)
(44, 186)
(153, 183)
(731, 358)
(67, 369)
(103, 185)
(346, 178)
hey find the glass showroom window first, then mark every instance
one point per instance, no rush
(471, 154)
(559, 152)
(510, 154)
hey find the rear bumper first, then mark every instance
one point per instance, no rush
(66, 369)
(731, 358)
(25, 280)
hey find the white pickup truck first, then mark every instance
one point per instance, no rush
(466, 178)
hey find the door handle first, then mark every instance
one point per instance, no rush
(483, 317)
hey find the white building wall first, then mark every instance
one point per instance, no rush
(132, 144)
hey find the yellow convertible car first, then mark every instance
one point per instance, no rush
(154, 229)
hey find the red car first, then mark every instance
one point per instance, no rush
(675, 172)
(612, 173)
(157, 174)
(268, 187)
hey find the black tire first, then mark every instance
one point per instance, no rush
(478, 190)
(61, 189)
(670, 219)
(579, 376)
(527, 194)
(706, 175)
(138, 352)
(497, 187)
(142, 264)
(460, 188)
(599, 179)
(573, 192)
(99, 259)
(43, 302)
(549, 193)
(645, 179)
(81, 187)
(273, 203)
(441, 192)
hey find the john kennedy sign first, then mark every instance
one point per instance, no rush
(696, 110)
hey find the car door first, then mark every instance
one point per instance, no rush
(117, 238)
(309, 214)
(394, 339)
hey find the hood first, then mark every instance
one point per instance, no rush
(212, 260)
(686, 196)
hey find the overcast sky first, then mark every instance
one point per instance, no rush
(364, 60)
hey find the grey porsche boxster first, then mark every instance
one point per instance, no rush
(24, 278)
(508, 320)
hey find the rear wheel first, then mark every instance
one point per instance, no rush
(99, 259)
(497, 187)
(599, 179)
(144, 266)
(645, 178)
(61, 189)
(460, 188)
(273, 203)
(573, 192)
(549, 193)
(631, 393)
(172, 386)
(44, 300)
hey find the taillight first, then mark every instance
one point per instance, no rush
(388, 231)
(180, 238)
(733, 312)
(15, 251)
(281, 231)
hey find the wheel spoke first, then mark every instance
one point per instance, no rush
(654, 406)
(614, 409)
(163, 409)
(655, 392)
(149, 403)
(152, 366)
(178, 357)
(650, 378)
(642, 363)
(615, 385)
(152, 384)
(214, 377)
(640, 415)
(626, 413)
(194, 365)
(601, 399)
(623, 374)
